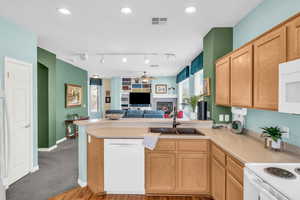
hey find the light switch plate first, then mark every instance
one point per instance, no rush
(221, 117)
(286, 134)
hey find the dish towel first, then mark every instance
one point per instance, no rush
(150, 140)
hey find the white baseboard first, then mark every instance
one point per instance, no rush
(61, 140)
(82, 183)
(48, 149)
(34, 169)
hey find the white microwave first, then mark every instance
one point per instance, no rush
(289, 87)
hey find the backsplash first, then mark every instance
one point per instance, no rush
(272, 12)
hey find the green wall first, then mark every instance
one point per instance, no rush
(67, 73)
(261, 19)
(18, 43)
(216, 44)
(48, 59)
(43, 108)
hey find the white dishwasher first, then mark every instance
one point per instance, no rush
(124, 166)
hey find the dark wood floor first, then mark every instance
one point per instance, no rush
(86, 194)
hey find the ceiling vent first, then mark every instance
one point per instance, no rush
(154, 66)
(159, 21)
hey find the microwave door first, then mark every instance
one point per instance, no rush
(289, 89)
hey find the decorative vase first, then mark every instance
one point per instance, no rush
(193, 115)
(276, 145)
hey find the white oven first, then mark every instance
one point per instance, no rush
(289, 87)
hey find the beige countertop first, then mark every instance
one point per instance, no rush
(245, 148)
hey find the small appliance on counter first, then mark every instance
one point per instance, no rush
(202, 110)
(238, 119)
(276, 181)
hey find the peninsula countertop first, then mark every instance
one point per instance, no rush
(245, 148)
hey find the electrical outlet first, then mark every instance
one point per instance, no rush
(221, 118)
(286, 134)
(227, 118)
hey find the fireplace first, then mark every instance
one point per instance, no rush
(167, 107)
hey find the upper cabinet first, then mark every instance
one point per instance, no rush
(269, 52)
(223, 82)
(242, 77)
(293, 39)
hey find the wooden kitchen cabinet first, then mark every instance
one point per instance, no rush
(234, 189)
(223, 82)
(95, 165)
(160, 172)
(178, 166)
(293, 39)
(218, 180)
(269, 51)
(192, 173)
(241, 78)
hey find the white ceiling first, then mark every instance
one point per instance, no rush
(97, 26)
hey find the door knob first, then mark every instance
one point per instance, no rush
(27, 126)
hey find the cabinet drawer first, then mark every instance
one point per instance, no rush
(236, 169)
(193, 145)
(165, 145)
(218, 154)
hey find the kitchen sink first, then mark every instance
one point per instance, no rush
(177, 131)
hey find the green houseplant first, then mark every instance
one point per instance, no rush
(274, 134)
(193, 101)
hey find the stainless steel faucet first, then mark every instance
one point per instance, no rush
(175, 123)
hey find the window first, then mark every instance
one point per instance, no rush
(198, 82)
(95, 98)
(183, 92)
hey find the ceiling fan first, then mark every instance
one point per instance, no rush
(145, 78)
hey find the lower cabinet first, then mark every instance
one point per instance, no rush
(95, 165)
(218, 180)
(192, 173)
(178, 170)
(160, 172)
(226, 176)
(234, 190)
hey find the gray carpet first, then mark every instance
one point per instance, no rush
(58, 173)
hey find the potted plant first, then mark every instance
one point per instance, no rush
(273, 135)
(193, 101)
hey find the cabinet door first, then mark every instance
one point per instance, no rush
(269, 52)
(242, 77)
(234, 190)
(160, 172)
(192, 173)
(293, 39)
(223, 82)
(95, 165)
(218, 178)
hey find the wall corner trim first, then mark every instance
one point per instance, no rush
(34, 169)
(81, 183)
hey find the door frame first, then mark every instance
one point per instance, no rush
(8, 60)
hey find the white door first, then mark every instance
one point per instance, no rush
(18, 90)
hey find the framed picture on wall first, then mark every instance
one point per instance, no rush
(206, 88)
(161, 89)
(73, 95)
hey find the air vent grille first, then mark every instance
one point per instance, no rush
(154, 65)
(159, 21)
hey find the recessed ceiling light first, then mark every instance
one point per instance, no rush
(190, 9)
(124, 60)
(126, 10)
(64, 11)
(147, 60)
